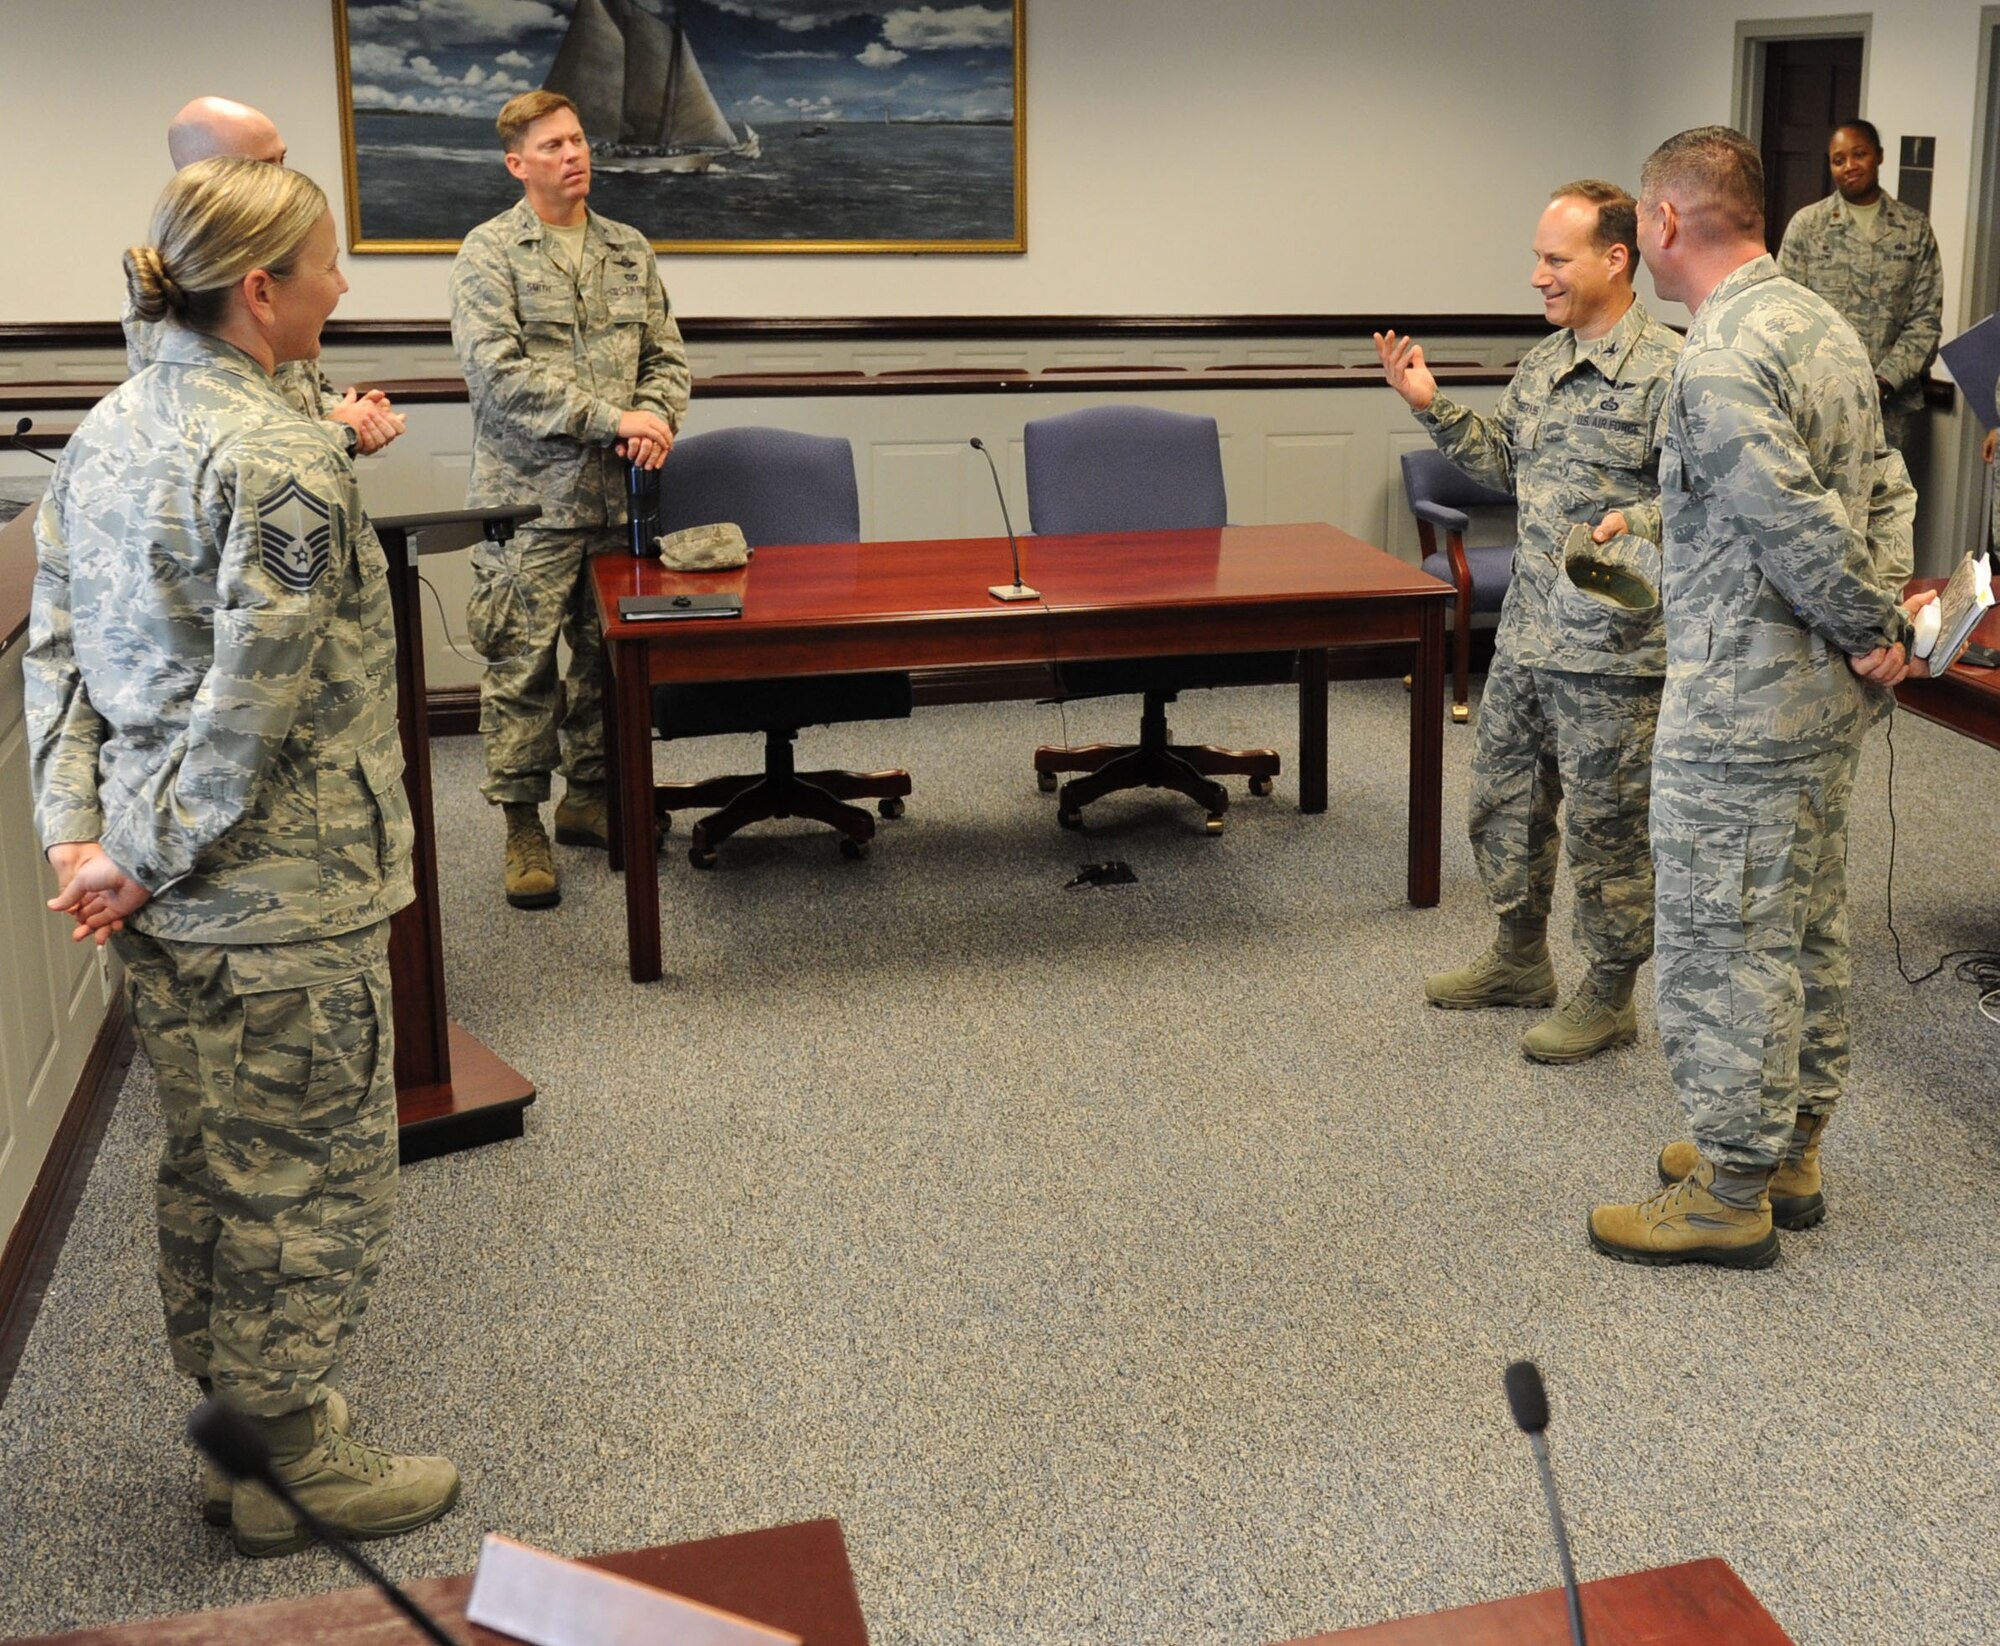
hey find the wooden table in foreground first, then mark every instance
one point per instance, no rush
(795, 1578)
(1700, 1603)
(843, 608)
(1966, 699)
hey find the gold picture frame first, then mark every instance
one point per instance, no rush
(943, 169)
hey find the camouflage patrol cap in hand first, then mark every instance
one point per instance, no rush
(717, 548)
(1608, 572)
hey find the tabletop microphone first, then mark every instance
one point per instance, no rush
(15, 439)
(239, 1451)
(1530, 1403)
(1016, 590)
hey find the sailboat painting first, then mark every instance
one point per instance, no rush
(715, 125)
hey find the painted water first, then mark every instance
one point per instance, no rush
(433, 177)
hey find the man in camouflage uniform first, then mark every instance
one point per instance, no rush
(573, 361)
(1788, 531)
(1567, 715)
(211, 126)
(211, 708)
(1876, 261)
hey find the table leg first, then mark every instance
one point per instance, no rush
(1312, 729)
(1427, 755)
(635, 780)
(614, 831)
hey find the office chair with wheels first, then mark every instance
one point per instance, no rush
(1138, 468)
(780, 487)
(1439, 493)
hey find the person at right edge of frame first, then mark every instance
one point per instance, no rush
(1876, 261)
(1787, 544)
(573, 361)
(1567, 715)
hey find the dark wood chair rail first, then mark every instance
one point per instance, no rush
(884, 328)
(420, 391)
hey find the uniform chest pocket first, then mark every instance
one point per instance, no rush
(543, 309)
(626, 304)
(1621, 445)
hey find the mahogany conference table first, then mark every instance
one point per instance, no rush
(845, 608)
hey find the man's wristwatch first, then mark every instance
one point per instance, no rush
(353, 439)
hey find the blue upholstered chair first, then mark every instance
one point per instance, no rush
(1138, 468)
(780, 487)
(1439, 494)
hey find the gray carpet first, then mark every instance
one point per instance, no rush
(1119, 1265)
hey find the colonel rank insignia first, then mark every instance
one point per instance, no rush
(294, 536)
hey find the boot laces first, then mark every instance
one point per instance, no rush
(357, 1456)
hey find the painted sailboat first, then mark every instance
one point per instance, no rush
(641, 95)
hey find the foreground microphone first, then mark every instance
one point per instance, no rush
(1530, 1403)
(239, 1451)
(15, 439)
(1016, 590)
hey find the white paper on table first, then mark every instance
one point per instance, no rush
(548, 1601)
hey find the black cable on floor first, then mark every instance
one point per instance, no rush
(1980, 966)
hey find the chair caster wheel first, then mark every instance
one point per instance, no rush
(1215, 822)
(1070, 817)
(1262, 785)
(853, 850)
(891, 808)
(1046, 782)
(1460, 713)
(702, 857)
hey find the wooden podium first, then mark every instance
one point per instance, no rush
(1698, 1603)
(451, 1091)
(795, 1578)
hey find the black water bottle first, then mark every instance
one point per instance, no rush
(641, 508)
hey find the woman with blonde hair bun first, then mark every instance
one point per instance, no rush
(211, 710)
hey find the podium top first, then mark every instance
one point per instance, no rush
(454, 528)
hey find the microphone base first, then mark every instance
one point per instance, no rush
(1013, 591)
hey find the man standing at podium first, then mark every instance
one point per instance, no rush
(573, 361)
(1567, 715)
(214, 126)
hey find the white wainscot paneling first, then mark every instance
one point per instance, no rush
(1306, 477)
(918, 486)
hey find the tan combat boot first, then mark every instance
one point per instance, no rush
(531, 866)
(361, 1491)
(1515, 971)
(582, 818)
(218, 1491)
(1796, 1198)
(1598, 1016)
(1687, 1222)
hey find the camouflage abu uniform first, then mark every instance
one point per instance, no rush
(1567, 714)
(552, 360)
(1788, 532)
(299, 381)
(1890, 289)
(210, 684)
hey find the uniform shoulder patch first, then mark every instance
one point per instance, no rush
(294, 536)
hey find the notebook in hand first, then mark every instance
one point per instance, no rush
(1960, 605)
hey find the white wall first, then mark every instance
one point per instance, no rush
(1184, 157)
(1921, 77)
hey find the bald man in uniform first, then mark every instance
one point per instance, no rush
(212, 126)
